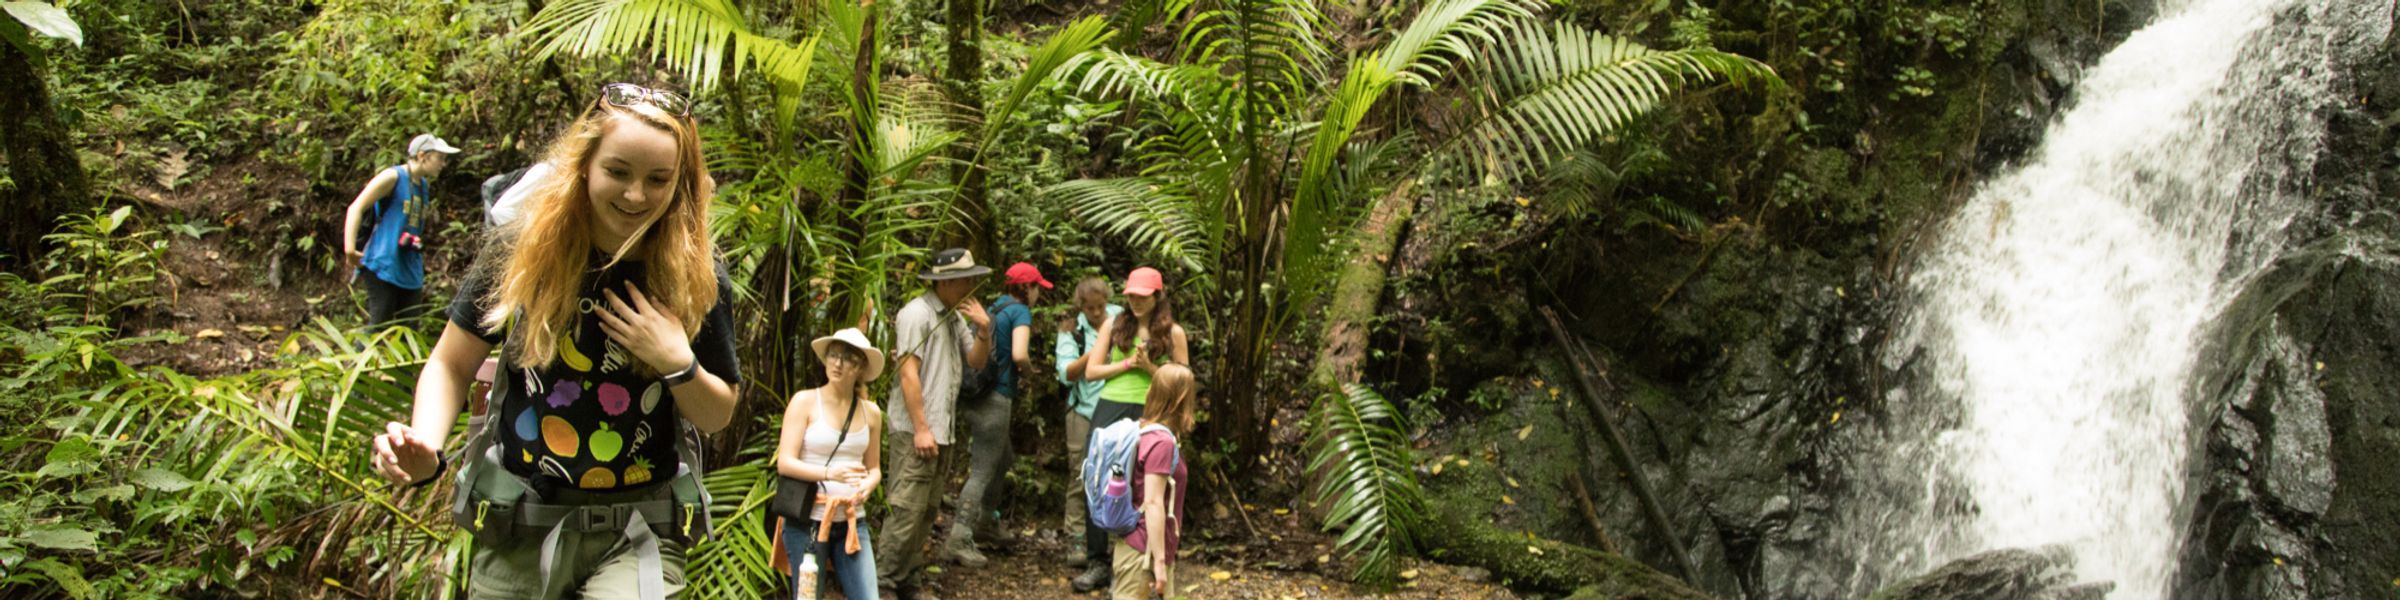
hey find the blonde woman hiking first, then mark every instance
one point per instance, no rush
(614, 326)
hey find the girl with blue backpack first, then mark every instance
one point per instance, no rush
(1134, 346)
(1156, 479)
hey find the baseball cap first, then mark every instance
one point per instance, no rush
(1144, 281)
(1022, 273)
(426, 142)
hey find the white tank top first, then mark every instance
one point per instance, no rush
(818, 443)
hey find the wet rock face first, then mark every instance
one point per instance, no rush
(2033, 75)
(2010, 574)
(2297, 497)
(2296, 492)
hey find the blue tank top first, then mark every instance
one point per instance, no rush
(404, 211)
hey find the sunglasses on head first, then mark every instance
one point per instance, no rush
(626, 95)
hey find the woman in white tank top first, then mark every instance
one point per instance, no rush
(814, 447)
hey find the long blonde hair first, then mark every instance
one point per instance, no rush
(1172, 393)
(539, 263)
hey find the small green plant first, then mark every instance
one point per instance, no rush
(100, 264)
(194, 228)
(1913, 82)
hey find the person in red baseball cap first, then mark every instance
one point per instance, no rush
(987, 415)
(1132, 347)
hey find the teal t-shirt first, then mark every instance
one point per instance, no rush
(1007, 315)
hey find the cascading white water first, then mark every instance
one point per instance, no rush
(2057, 318)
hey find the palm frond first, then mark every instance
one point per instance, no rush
(695, 36)
(1146, 212)
(1272, 49)
(735, 562)
(1110, 72)
(1315, 210)
(1360, 453)
(1562, 87)
(1059, 54)
(1442, 33)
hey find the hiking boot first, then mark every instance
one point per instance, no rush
(1093, 577)
(963, 552)
(1073, 557)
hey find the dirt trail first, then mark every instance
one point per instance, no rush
(1029, 567)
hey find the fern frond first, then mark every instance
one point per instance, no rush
(694, 36)
(1446, 31)
(1360, 453)
(1561, 87)
(1146, 212)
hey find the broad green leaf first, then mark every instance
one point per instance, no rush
(62, 538)
(119, 492)
(162, 480)
(45, 19)
(15, 34)
(71, 449)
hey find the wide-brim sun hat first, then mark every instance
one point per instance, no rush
(856, 339)
(954, 263)
(1144, 281)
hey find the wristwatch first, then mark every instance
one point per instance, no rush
(686, 375)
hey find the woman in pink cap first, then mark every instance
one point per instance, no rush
(1134, 345)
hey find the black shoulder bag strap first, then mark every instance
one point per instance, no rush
(795, 498)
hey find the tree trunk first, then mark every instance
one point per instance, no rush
(1357, 290)
(41, 158)
(856, 173)
(964, 84)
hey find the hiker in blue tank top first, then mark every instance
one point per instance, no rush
(395, 204)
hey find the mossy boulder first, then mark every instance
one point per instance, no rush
(1496, 503)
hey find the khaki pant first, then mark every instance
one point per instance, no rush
(915, 494)
(596, 566)
(1132, 568)
(1079, 433)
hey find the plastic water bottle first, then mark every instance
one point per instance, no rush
(805, 584)
(1116, 482)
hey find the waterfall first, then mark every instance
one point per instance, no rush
(2052, 329)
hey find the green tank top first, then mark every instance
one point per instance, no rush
(1131, 386)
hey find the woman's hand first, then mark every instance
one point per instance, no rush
(402, 457)
(654, 335)
(1141, 359)
(849, 474)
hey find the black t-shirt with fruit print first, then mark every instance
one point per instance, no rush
(591, 419)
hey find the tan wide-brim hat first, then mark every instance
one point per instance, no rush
(856, 339)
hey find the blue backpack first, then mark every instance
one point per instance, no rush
(1108, 473)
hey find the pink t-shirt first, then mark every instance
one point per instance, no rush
(1155, 453)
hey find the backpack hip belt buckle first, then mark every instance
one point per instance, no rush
(601, 518)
